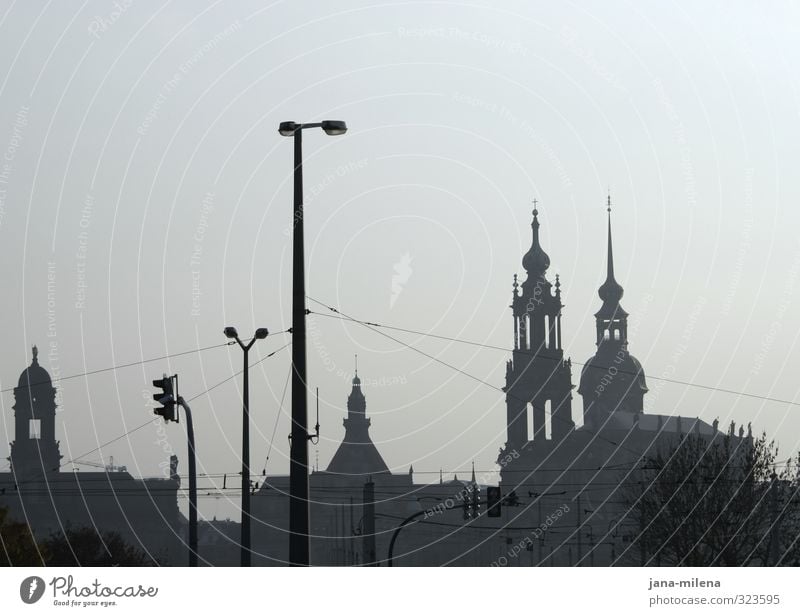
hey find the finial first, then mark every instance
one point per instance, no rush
(356, 365)
(35, 353)
(608, 202)
(535, 209)
(473, 472)
(441, 476)
(558, 282)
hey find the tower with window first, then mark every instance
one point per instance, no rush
(35, 449)
(613, 380)
(538, 378)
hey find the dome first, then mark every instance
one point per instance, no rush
(34, 375)
(611, 291)
(618, 372)
(535, 260)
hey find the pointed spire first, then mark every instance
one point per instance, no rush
(356, 380)
(610, 250)
(473, 472)
(610, 291)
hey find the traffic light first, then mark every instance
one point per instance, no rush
(166, 398)
(493, 499)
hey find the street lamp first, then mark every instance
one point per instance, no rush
(260, 334)
(298, 454)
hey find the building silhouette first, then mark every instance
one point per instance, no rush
(37, 492)
(357, 502)
(357, 456)
(587, 472)
(566, 482)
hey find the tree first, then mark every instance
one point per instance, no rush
(87, 546)
(718, 501)
(17, 543)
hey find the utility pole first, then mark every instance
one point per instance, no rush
(580, 532)
(642, 550)
(772, 550)
(541, 538)
(299, 513)
(261, 333)
(368, 538)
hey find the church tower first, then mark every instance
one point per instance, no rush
(538, 379)
(612, 380)
(35, 448)
(357, 455)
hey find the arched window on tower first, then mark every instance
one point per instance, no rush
(529, 414)
(548, 420)
(546, 331)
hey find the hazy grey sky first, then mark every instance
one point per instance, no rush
(145, 203)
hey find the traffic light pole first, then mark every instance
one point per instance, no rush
(192, 485)
(169, 398)
(408, 520)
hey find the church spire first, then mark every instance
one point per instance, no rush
(611, 291)
(611, 319)
(536, 261)
(357, 454)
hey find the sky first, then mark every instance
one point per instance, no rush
(145, 204)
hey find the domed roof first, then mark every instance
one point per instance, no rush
(35, 375)
(619, 371)
(536, 260)
(610, 291)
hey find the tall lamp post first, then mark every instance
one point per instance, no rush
(298, 453)
(260, 334)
